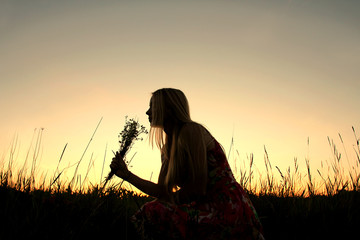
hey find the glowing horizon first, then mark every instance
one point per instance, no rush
(266, 73)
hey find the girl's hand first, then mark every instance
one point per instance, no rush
(119, 167)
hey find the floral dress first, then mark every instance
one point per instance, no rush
(226, 212)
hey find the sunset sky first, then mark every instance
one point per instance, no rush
(270, 73)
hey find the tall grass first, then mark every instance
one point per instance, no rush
(331, 179)
(49, 206)
(287, 200)
(21, 179)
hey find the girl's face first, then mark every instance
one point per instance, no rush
(153, 110)
(149, 111)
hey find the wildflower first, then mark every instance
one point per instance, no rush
(127, 137)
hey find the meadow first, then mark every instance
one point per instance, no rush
(292, 203)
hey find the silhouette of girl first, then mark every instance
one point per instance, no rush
(197, 196)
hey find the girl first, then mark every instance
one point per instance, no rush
(197, 196)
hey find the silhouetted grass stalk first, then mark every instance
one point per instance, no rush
(82, 156)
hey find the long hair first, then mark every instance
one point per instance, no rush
(169, 101)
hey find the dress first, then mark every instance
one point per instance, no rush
(226, 212)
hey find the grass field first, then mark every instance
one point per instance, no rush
(294, 206)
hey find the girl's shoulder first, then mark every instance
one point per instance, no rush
(188, 126)
(193, 131)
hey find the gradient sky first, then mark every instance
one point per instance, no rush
(267, 73)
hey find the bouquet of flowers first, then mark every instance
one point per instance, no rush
(127, 137)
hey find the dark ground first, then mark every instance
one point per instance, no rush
(66, 215)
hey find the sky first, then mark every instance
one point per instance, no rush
(259, 73)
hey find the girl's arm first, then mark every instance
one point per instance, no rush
(156, 190)
(148, 187)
